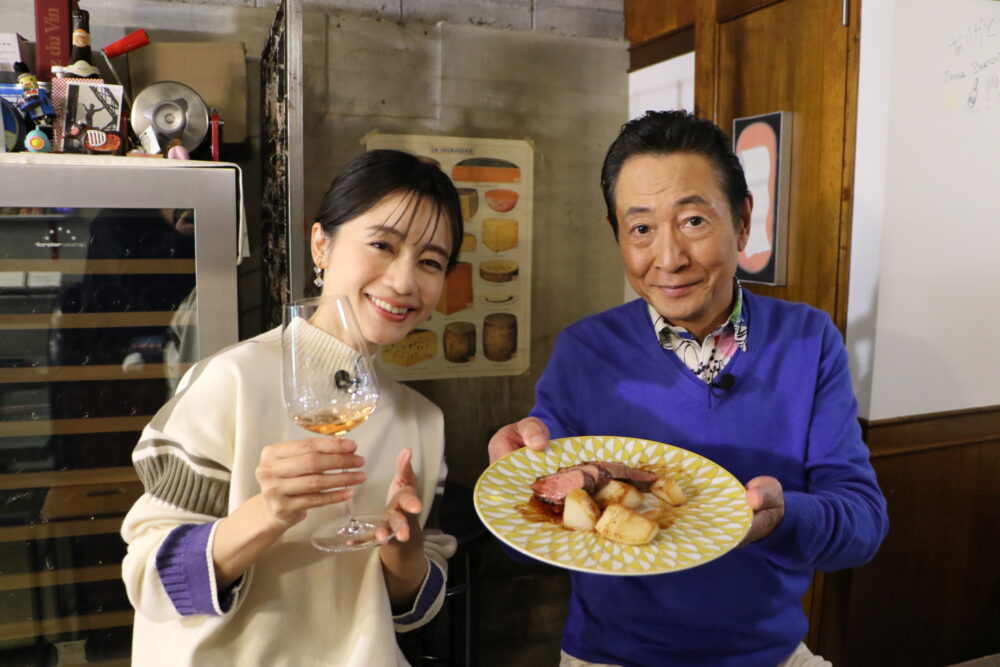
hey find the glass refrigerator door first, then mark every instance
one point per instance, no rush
(98, 321)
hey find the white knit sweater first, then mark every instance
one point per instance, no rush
(296, 605)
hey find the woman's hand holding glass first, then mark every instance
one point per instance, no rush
(295, 476)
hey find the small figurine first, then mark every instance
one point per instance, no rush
(94, 140)
(37, 141)
(177, 151)
(35, 103)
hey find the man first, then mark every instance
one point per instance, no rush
(758, 385)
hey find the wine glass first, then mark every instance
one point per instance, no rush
(330, 387)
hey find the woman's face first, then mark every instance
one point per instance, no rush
(390, 262)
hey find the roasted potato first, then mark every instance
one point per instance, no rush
(668, 490)
(580, 512)
(620, 524)
(619, 492)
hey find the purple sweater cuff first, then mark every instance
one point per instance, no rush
(429, 592)
(183, 565)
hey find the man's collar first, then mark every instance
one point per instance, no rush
(737, 321)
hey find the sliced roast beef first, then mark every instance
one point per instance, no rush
(591, 476)
(640, 479)
(597, 473)
(553, 488)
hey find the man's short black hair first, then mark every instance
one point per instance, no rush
(668, 132)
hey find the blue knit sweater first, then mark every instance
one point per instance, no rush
(790, 414)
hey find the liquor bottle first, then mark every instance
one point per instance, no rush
(81, 58)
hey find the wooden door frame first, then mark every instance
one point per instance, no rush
(710, 13)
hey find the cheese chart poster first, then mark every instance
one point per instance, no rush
(482, 324)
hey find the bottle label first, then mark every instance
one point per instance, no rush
(81, 38)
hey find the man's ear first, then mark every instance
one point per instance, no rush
(743, 228)
(319, 245)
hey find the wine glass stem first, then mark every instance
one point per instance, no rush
(353, 525)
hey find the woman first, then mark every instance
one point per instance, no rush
(219, 564)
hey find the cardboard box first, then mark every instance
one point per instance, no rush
(217, 71)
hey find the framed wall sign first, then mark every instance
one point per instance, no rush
(763, 145)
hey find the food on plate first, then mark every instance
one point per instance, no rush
(594, 476)
(616, 492)
(668, 490)
(580, 512)
(625, 526)
(608, 497)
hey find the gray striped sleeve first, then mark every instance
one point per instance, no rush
(194, 484)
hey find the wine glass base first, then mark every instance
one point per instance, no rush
(366, 531)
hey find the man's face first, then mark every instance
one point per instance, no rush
(677, 238)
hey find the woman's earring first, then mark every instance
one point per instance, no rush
(318, 280)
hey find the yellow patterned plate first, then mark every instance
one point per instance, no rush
(712, 521)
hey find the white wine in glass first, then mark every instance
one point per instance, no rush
(330, 386)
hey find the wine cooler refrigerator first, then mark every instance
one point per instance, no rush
(116, 274)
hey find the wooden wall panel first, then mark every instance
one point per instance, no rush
(648, 19)
(931, 596)
(791, 56)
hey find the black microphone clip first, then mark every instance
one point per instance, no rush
(725, 383)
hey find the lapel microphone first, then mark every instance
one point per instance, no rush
(724, 384)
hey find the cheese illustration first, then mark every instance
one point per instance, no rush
(498, 299)
(498, 270)
(486, 169)
(501, 200)
(499, 336)
(468, 199)
(457, 293)
(459, 342)
(418, 345)
(499, 234)
(468, 243)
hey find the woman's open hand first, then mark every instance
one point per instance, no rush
(403, 562)
(293, 476)
(402, 502)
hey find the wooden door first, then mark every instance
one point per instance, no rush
(800, 56)
(759, 56)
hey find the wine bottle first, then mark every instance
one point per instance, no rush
(81, 58)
